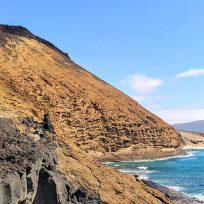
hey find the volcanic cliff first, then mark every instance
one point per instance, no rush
(90, 118)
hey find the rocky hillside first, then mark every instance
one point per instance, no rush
(39, 158)
(36, 78)
(192, 139)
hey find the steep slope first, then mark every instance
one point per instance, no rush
(37, 78)
(35, 161)
(195, 126)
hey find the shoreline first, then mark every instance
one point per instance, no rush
(192, 147)
(172, 194)
(141, 155)
(149, 156)
(187, 154)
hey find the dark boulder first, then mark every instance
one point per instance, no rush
(47, 125)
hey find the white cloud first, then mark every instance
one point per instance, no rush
(181, 116)
(142, 84)
(139, 98)
(190, 72)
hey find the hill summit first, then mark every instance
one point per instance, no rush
(195, 126)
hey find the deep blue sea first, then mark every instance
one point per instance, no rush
(184, 173)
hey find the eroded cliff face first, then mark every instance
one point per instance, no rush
(36, 78)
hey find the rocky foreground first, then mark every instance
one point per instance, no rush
(34, 170)
(28, 172)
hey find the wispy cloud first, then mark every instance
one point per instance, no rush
(142, 84)
(180, 116)
(190, 73)
(139, 98)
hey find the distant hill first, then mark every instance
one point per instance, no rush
(195, 126)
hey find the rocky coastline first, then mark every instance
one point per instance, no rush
(141, 154)
(173, 195)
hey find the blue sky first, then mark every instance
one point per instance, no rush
(151, 50)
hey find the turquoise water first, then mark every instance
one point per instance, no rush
(185, 174)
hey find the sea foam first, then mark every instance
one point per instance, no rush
(198, 196)
(142, 167)
(176, 188)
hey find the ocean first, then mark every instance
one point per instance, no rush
(182, 173)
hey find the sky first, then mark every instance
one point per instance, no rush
(151, 50)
